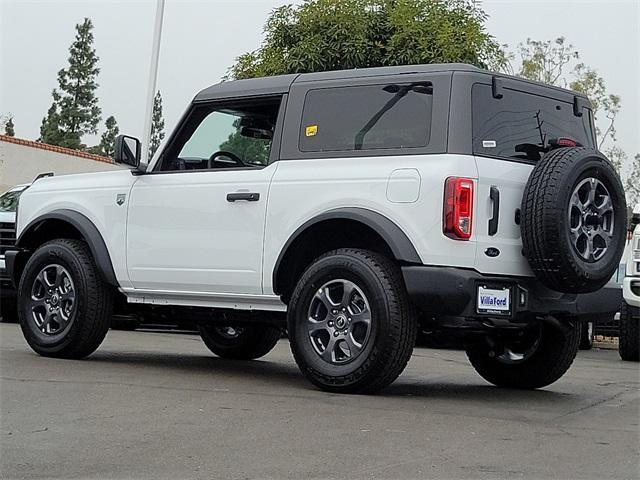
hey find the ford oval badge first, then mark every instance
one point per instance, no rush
(492, 252)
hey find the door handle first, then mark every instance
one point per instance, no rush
(494, 195)
(246, 196)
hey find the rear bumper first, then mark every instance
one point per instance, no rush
(452, 292)
(631, 291)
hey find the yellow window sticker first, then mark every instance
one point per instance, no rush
(311, 130)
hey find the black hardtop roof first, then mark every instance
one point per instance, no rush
(282, 83)
(279, 84)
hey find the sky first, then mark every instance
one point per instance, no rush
(201, 40)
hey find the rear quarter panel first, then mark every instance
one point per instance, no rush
(304, 189)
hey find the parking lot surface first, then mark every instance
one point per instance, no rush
(159, 405)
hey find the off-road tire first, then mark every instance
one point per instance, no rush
(254, 341)
(393, 322)
(545, 225)
(92, 314)
(553, 357)
(629, 337)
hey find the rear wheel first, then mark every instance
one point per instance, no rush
(64, 305)
(537, 359)
(246, 342)
(351, 325)
(629, 339)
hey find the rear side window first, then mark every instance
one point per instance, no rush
(522, 125)
(367, 117)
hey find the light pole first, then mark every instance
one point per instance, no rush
(153, 75)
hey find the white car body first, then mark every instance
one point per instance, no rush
(220, 254)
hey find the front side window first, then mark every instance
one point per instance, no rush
(371, 117)
(225, 136)
(523, 125)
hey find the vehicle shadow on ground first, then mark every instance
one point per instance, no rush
(261, 369)
(288, 376)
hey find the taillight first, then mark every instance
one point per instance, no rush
(458, 208)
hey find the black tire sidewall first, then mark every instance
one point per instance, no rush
(52, 253)
(333, 268)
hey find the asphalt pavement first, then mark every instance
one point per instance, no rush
(160, 406)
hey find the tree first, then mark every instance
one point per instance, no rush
(107, 139)
(343, 34)
(557, 62)
(9, 127)
(74, 111)
(632, 186)
(157, 125)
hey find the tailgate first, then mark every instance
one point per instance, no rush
(499, 194)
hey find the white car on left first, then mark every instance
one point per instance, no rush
(8, 205)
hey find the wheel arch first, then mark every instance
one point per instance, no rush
(342, 227)
(63, 223)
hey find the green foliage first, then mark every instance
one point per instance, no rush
(9, 127)
(107, 139)
(632, 186)
(324, 35)
(157, 125)
(74, 111)
(545, 61)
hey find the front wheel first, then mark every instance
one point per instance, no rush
(64, 305)
(540, 357)
(351, 325)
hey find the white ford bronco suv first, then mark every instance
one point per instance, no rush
(362, 203)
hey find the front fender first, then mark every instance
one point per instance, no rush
(85, 227)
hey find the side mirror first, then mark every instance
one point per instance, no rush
(127, 150)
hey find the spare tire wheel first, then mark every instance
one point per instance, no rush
(573, 220)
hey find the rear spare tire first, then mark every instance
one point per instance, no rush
(573, 220)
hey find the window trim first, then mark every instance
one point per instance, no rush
(274, 152)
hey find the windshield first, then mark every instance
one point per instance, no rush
(9, 200)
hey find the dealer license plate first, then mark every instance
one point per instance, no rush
(494, 300)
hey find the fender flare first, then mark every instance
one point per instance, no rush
(89, 232)
(400, 245)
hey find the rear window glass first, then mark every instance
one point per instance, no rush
(521, 125)
(367, 117)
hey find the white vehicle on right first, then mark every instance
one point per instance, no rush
(629, 340)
